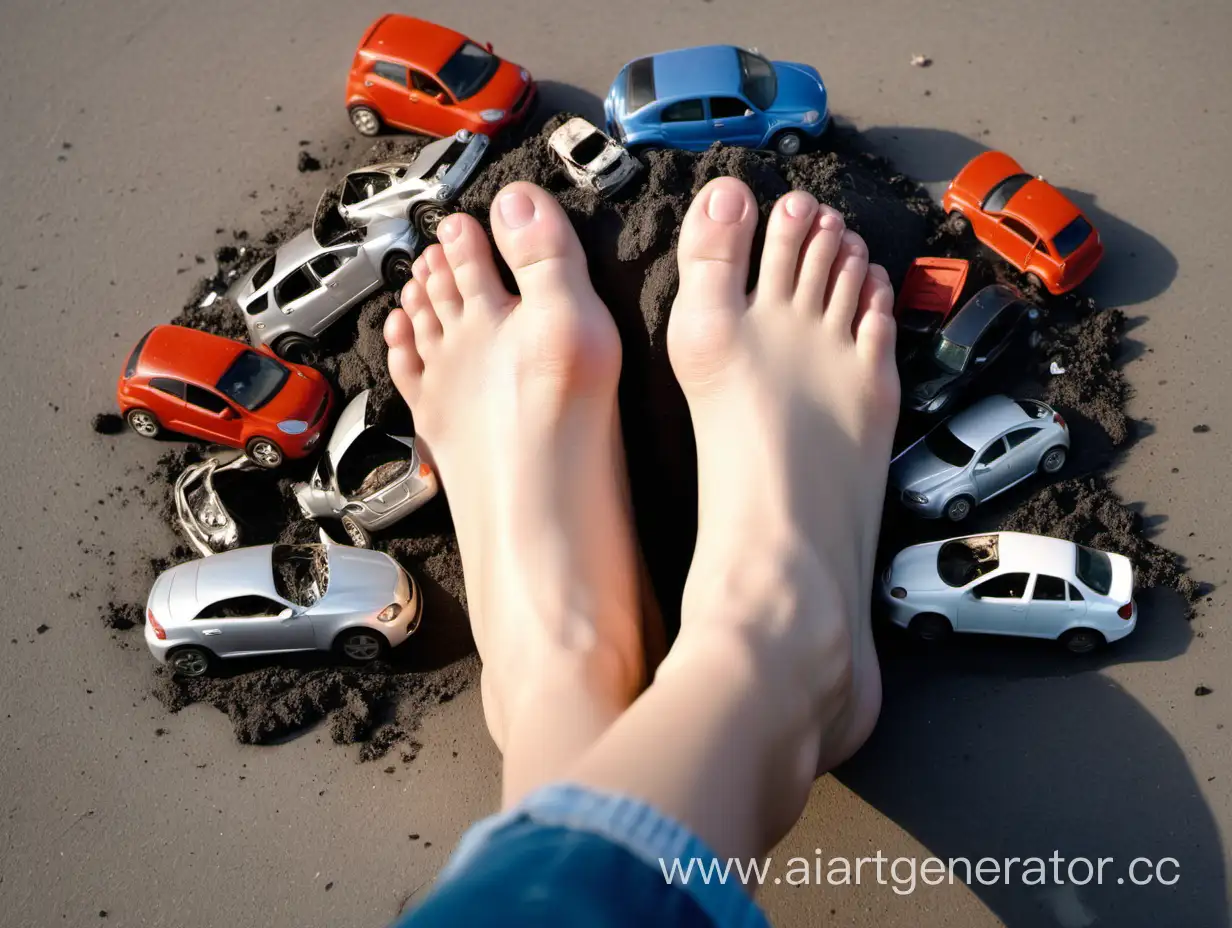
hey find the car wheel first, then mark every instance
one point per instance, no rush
(298, 349)
(143, 422)
(190, 661)
(930, 627)
(1053, 460)
(959, 223)
(789, 143)
(365, 120)
(264, 453)
(1082, 640)
(356, 534)
(360, 645)
(959, 508)
(396, 269)
(427, 217)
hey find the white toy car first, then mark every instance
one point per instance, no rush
(593, 158)
(1011, 583)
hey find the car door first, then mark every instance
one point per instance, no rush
(1022, 459)
(302, 296)
(1050, 610)
(685, 125)
(736, 122)
(989, 469)
(388, 87)
(997, 606)
(1015, 241)
(167, 402)
(1048, 267)
(345, 280)
(212, 415)
(435, 110)
(239, 625)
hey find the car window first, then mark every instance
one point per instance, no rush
(468, 70)
(946, 446)
(1006, 586)
(364, 185)
(994, 451)
(1032, 408)
(589, 147)
(1049, 589)
(167, 385)
(683, 111)
(241, 607)
(951, 356)
(258, 304)
(130, 368)
(640, 84)
(1094, 568)
(204, 399)
(1018, 436)
(727, 107)
(996, 332)
(301, 572)
(253, 379)
(759, 81)
(264, 271)
(1020, 229)
(425, 84)
(325, 265)
(1075, 596)
(296, 285)
(1068, 239)
(961, 560)
(390, 71)
(1001, 194)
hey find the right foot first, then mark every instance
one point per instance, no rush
(515, 399)
(793, 392)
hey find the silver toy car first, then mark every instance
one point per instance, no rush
(593, 158)
(289, 299)
(367, 478)
(273, 599)
(199, 510)
(982, 451)
(420, 191)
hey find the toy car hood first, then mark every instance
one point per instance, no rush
(799, 89)
(352, 422)
(303, 397)
(501, 92)
(915, 568)
(917, 469)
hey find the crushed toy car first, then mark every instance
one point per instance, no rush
(420, 190)
(367, 479)
(199, 510)
(593, 158)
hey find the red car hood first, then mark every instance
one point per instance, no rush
(501, 92)
(299, 398)
(983, 172)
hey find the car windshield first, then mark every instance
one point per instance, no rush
(470, 68)
(1094, 568)
(948, 447)
(951, 356)
(261, 276)
(301, 572)
(1068, 239)
(758, 80)
(364, 186)
(253, 380)
(963, 560)
(1001, 194)
(589, 148)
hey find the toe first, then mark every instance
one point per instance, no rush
(875, 328)
(824, 238)
(715, 241)
(441, 286)
(537, 241)
(405, 364)
(846, 281)
(469, 256)
(424, 321)
(789, 224)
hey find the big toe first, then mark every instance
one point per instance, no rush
(535, 238)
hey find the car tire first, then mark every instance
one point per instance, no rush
(959, 508)
(396, 269)
(789, 143)
(357, 536)
(366, 120)
(959, 223)
(1053, 460)
(361, 645)
(190, 661)
(1082, 640)
(427, 217)
(144, 423)
(298, 349)
(264, 452)
(929, 627)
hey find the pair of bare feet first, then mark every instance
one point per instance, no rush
(773, 677)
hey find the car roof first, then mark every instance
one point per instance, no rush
(294, 252)
(970, 320)
(242, 572)
(985, 171)
(415, 41)
(176, 350)
(983, 421)
(1021, 551)
(1042, 207)
(702, 71)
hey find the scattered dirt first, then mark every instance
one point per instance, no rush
(107, 423)
(630, 243)
(1201, 690)
(306, 162)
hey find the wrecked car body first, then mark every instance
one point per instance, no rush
(593, 159)
(367, 479)
(199, 510)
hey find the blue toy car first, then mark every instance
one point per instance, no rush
(692, 97)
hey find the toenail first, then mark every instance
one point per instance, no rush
(831, 221)
(853, 243)
(798, 205)
(449, 229)
(726, 206)
(516, 209)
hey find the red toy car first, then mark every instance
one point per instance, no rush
(418, 76)
(1025, 220)
(930, 291)
(225, 392)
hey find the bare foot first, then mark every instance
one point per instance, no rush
(793, 393)
(515, 398)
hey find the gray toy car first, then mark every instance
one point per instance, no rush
(421, 190)
(367, 478)
(289, 299)
(984, 450)
(593, 158)
(274, 599)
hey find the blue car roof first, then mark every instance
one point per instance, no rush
(710, 69)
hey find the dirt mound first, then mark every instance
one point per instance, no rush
(630, 244)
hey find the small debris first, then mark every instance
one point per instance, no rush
(1201, 429)
(1055, 369)
(102, 913)
(42, 628)
(160, 732)
(1201, 690)
(921, 61)
(329, 886)
(208, 299)
(391, 769)
(107, 423)
(305, 162)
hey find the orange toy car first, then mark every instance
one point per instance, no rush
(1025, 220)
(221, 390)
(421, 77)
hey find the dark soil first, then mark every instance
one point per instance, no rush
(107, 423)
(630, 244)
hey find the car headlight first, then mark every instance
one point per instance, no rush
(812, 116)
(492, 115)
(293, 426)
(389, 613)
(463, 135)
(918, 498)
(525, 75)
